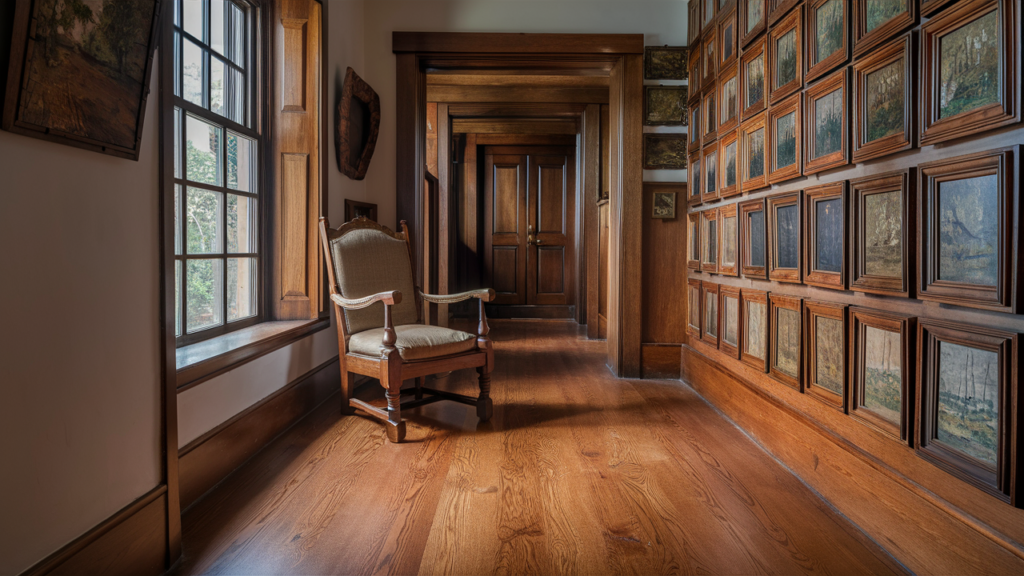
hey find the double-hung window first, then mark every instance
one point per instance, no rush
(218, 141)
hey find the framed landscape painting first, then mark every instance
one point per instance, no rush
(709, 308)
(693, 175)
(729, 99)
(728, 169)
(666, 62)
(884, 100)
(730, 239)
(827, 135)
(754, 329)
(785, 57)
(825, 362)
(693, 13)
(825, 236)
(784, 233)
(967, 401)
(710, 59)
(753, 139)
(970, 58)
(664, 151)
(729, 310)
(79, 74)
(696, 58)
(785, 133)
(786, 349)
(828, 43)
(665, 106)
(696, 126)
(709, 161)
(753, 81)
(753, 239)
(969, 215)
(752, 19)
(727, 38)
(693, 241)
(709, 9)
(883, 236)
(709, 235)
(693, 315)
(882, 373)
(710, 118)
(876, 21)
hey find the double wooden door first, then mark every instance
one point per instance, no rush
(529, 224)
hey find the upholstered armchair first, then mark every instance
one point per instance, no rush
(381, 333)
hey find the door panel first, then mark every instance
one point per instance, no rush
(551, 197)
(550, 270)
(505, 227)
(505, 270)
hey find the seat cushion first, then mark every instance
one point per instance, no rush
(415, 342)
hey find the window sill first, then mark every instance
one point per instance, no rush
(199, 362)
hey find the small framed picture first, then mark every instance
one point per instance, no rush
(785, 56)
(693, 241)
(827, 136)
(727, 38)
(665, 106)
(753, 82)
(693, 174)
(970, 60)
(754, 329)
(786, 349)
(709, 9)
(881, 376)
(785, 131)
(752, 20)
(693, 315)
(779, 8)
(825, 365)
(709, 307)
(696, 126)
(709, 240)
(710, 64)
(664, 151)
(355, 209)
(970, 215)
(753, 239)
(729, 311)
(784, 237)
(968, 405)
(752, 141)
(710, 118)
(876, 21)
(828, 42)
(709, 161)
(729, 99)
(825, 236)
(666, 62)
(693, 12)
(884, 98)
(727, 162)
(664, 205)
(695, 66)
(730, 239)
(883, 220)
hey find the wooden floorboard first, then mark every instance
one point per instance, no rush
(577, 473)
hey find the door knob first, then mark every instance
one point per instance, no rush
(530, 238)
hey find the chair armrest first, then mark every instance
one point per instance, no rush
(389, 298)
(485, 294)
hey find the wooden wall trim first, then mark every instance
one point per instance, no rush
(660, 361)
(207, 460)
(132, 541)
(513, 43)
(410, 148)
(527, 94)
(928, 520)
(591, 233)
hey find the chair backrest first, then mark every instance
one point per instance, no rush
(366, 258)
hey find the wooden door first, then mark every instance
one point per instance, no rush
(529, 214)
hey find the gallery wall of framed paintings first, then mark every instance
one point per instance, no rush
(872, 170)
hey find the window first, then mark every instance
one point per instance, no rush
(218, 141)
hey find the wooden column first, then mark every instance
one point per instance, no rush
(410, 156)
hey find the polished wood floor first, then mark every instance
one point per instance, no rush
(577, 473)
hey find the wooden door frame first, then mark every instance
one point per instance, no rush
(618, 55)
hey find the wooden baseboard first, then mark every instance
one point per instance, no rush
(527, 311)
(132, 542)
(930, 521)
(660, 360)
(207, 460)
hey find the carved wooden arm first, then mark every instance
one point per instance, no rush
(389, 298)
(484, 294)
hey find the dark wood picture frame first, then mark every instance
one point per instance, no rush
(838, 81)
(678, 94)
(748, 298)
(776, 174)
(725, 294)
(709, 240)
(696, 126)
(710, 174)
(355, 209)
(710, 317)
(709, 55)
(1007, 110)
(709, 114)
(902, 49)
(816, 68)
(665, 151)
(693, 246)
(728, 38)
(778, 302)
(791, 23)
(695, 177)
(747, 130)
(752, 53)
(1003, 479)
(779, 8)
(864, 40)
(724, 144)
(93, 127)
(1005, 295)
(726, 122)
(929, 7)
(693, 310)
(676, 71)
(663, 206)
(726, 213)
(693, 13)
(860, 320)
(357, 127)
(775, 271)
(813, 310)
(751, 30)
(748, 237)
(812, 275)
(696, 69)
(900, 181)
(708, 15)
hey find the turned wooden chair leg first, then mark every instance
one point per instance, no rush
(395, 425)
(419, 387)
(484, 406)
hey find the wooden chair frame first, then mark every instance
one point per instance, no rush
(389, 367)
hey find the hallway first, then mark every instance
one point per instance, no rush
(577, 473)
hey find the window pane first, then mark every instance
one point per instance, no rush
(177, 14)
(205, 289)
(192, 73)
(241, 224)
(203, 149)
(241, 163)
(177, 219)
(241, 288)
(235, 33)
(217, 86)
(204, 211)
(177, 142)
(177, 298)
(234, 92)
(177, 64)
(193, 13)
(217, 25)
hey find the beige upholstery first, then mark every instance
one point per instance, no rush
(415, 342)
(367, 262)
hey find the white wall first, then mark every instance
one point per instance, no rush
(661, 21)
(79, 339)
